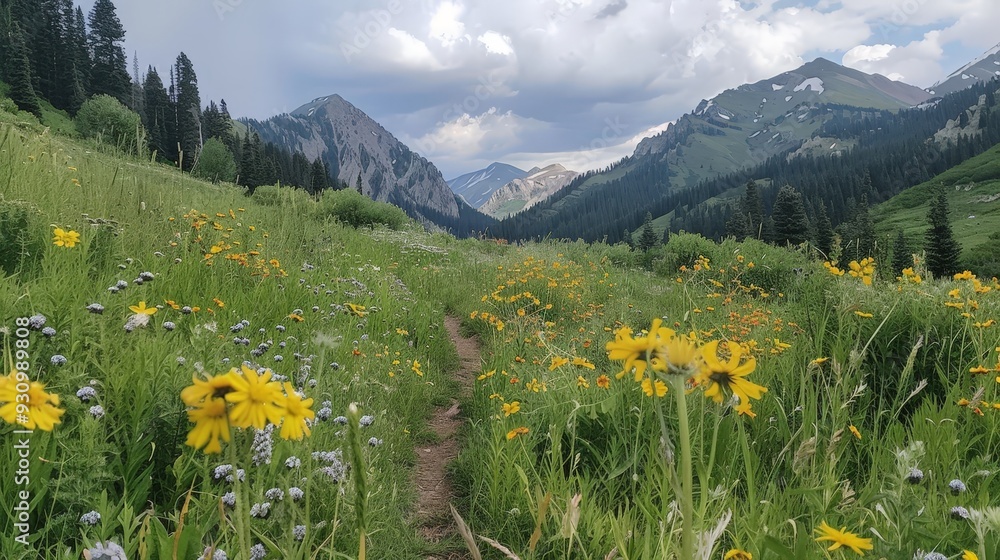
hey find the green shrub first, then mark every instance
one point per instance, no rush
(215, 163)
(8, 106)
(351, 208)
(682, 249)
(106, 119)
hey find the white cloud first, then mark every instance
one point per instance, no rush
(556, 70)
(496, 43)
(445, 25)
(412, 52)
(866, 53)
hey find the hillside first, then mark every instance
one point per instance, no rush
(974, 200)
(739, 129)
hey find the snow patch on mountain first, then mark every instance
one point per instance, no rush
(815, 84)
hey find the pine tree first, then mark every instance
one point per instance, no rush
(754, 210)
(159, 113)
(18, 74)
(215, 123)
(627, 238)
(76, 58)
(358, 185)
(647, 237)
(320, 176)
(790, 223)
(738, 226)
(859, 233)
(941, 248)
(824, 232)
(666, 235)
(188, 108)
(902, 257)
(108, 74)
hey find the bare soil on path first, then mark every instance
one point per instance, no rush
(434, 487)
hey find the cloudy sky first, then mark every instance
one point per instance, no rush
(533, 82)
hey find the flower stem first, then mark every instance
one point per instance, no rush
(238, 487)
(687, 478)
(748, 466)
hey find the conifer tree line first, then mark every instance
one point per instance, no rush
(825, 194)
(51, 52)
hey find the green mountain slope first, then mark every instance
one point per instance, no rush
(738, 129)
(973, 198)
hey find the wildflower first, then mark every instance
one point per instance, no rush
(298, 414)
(519, 431)
(374, 442)
(49, 332)
(842, 538)
(86, 393)
(211, 424)
(169, 325)
(41, 406)
(141, 309)
(603, 381)
(512, 407)
(730, 375)
(229, 499)
(969, 555)
(863, 314)
(256, 398)
(582, 363)
(106, 551)
(216, 386)
(956, 486)
(581, 381)
(633, 351)
(979, 370)
(558, 362)
(262, 446)
(647, 387)
(855, 431)
(416, 368)
(95, 308)
(355, 309)
(299, 532)
(819, 361)
(959, 513)
(260, 510)
(915, 476)
(90, 518)
(97, 411)
(296, 493)
(58, 360)
(737, 554)
(275, 494)
(63, 238)
(366, 420)
(933, 556)
(257, 552)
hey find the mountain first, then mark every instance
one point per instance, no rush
(523, 193)
(738, 129)
(353, 145)
(984, 68)
(476, 187)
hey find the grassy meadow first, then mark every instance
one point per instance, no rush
(602, 423)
